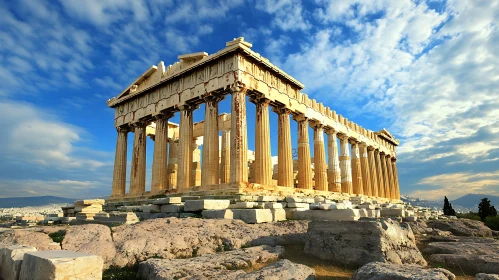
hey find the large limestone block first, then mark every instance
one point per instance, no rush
(382, 271)
(61, 265)
(39, 240)
(298, 205)
(168, 200)
(462, 227)
(327, 215)
(266, 199)
(392, 212)
(172, 208)
(90, 202)
(205, 204)
(278, 215)
(281, 270)
(354, 244)
(243, 205)
(273, 205)
(11, 258)
(150, 208)
(218, 214)
(253, 216)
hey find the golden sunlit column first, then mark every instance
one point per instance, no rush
(119, 175)
(184, 152)
(138, 174)
(263, 158)
(211, 162)
(345, 165)
(320, 168)
(284, 151)
(333, 171)
(225, 157)
(391, 189)
(356, 171)
(364, 165)
(172, 165)
(396, 178)
(372, 171)
(159, 180)
(304, 160)
(386, 180)
(238, 136)
(379, 172)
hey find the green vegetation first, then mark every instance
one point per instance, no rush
(448, 210)
(492, 222)
(470, 215)
(58, 236)
(121, 273)
(486, 210)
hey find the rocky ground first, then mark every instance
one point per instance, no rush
(231, 249)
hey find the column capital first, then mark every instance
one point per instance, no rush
(343, 137)
(394, 159)
(281, 110)
(329, 130)
(300, 118)
(370, 148)
(213, 97)
(259, 98)
(238, 87)
(123, 128)
(139, 124)
(353, 141)
(363, 144)
(316, 124)
(188, 107)
(164, 115)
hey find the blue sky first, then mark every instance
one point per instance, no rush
(425, 70)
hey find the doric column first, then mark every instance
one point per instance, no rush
(364, 166)
(320, 168)
(391, 188)
(379, 172)
(304, 160)
(386, 180)
(372, 171)
(172, 165)
(160, 158)
(356, 171)
(225, 157)
(263, 158)
(138, 174)
(119, 175)
(345, 165)
(210, 163)
(284, 152)
(396, 178)
(184, 157)
(238, 137)
(334, 171)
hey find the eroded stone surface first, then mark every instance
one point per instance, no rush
(11, 258)
(484, 276)
(39, 240)
(281, 270)
(462, 227)
(382, 271)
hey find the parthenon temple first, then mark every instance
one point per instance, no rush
(359, 162)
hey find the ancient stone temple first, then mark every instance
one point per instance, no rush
(358, 161)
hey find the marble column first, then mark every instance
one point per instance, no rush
(396, 178)
(119, 175)
(345, 166)
(172, 165)
(320, 168)
(304, 160)
(184, 157)
(225, 157)
(263, 157)
(356, 171)
(159, 180)
(386, 180)
(238, 137)
(372, 171)
(138, 174)
(379, 172)
(364, 166)
(211, 162)
(285, 176)
(390, 176)
(334, 171)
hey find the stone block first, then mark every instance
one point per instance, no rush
(273, 205)
(363, 213)
(411, 219)
(298, 205)
(373, 213)
(253, 216)
(11, 258)
(187, 215)
(266, 199)
(278, 215)
(90, 202)
(315, 206)
(168, 200)
(319, 199)
(367, 206)
(218, 214)
(331, 215)
(290, 199)
(84, 216)
(392, 212)
(59, 265)
(150, 208)
(206, 204)
(308, 200)
(172, 208)
(243, 205)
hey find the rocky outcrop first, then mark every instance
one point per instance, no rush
(39, 240)
(281, 270)
(226, 265)
(483, 276)
(354, 244)
(462, 227)
(172, 238)
(92, 239)
(382, 271)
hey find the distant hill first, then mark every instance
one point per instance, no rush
(472, 200)
(9, 202)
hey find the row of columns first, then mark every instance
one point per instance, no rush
(368, 171)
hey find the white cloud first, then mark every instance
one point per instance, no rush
(288, 15)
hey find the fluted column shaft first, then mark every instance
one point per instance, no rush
(184, 157)
(238, 137)
(263, 158)
(334, 171)
(379, 172)
(119, 175)
(345, 165)
(396, 178)
(304, 160)
(356, 171)
(160, 157)
(364, 165)
(138, 174)
(172, 165)
(386, 182)
(320, 168)
(284, 152)
(225, 157)
(210, 163)
(372, 172)
(390, 176)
